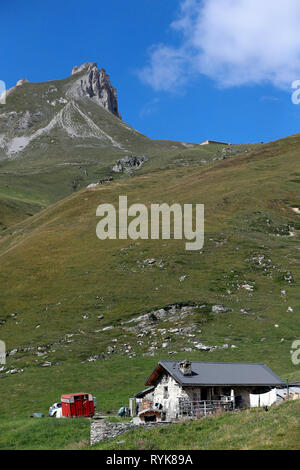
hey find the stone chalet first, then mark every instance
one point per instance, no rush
(190, 389)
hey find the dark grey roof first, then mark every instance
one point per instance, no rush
(144, 392)
(223, 373)
(295, 384)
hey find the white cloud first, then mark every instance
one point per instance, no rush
(234, 42)
(149, 108)
(165, 69)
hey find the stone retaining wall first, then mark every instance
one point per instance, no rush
(102, 430)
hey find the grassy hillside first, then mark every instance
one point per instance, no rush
(54, 142)
(28, 186)
(60, 287)
(277, 429)
(14, 210)
(44, 434)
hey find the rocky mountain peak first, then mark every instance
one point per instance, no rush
(19, 83)
(85, 66)
(22, 82)
(95, 84)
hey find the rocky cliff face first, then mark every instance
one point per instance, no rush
(78, 111)
(95, 84)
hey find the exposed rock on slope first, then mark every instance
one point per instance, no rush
(63, 113)
(96, 85)
(22, 82)
(19, 83)
(128, 164)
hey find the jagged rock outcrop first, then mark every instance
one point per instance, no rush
(129, 163)
(22, 82)
(96, 85)
(19, 83)
(72, 110)
(85, 66)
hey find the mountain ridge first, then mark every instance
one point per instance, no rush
(59, 136)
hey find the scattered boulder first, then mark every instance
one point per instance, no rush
(129, 163)
(14, 371)
(22, 82)
(202, 347)
(245, 311)
(105, 180)
(220, 309)
(12, 352)
(248, 287)
(94, 358)
(150, 261)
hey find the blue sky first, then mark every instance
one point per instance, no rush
(185, 70)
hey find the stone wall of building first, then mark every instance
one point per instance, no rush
(167, 393)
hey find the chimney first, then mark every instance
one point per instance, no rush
(185, 367)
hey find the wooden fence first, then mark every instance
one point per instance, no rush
(201, 407)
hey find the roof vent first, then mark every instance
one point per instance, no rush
(185, 367)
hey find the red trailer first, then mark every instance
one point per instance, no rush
(77, 405)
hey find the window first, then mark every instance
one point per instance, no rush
(166, 392)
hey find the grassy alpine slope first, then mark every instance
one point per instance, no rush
(54, 142)
(247, 430)
(44, 434)
(61, 287)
